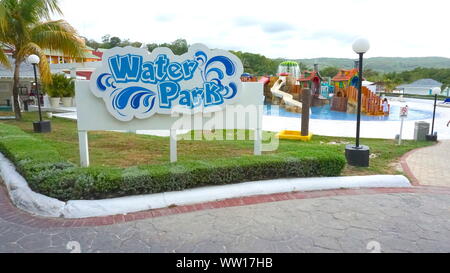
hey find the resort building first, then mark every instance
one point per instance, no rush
(81, 68)
(55, 57)
(420, 87)
(6, 82)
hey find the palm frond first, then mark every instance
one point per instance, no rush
(59, 36)
(2, 17)
(4, 59)
(44, 66)
(34, 10)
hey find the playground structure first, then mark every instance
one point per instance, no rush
(289, 68)
(286, 90)
(313, 81)
(248, 78)
(285, 99)
(327, 90)
(346, 100)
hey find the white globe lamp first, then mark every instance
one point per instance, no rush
(436, 91)
(361, 45)
(33, 59)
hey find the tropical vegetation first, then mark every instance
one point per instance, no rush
(26, 25)
(60, 86)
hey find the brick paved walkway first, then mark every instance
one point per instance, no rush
(431, 165)
(417, 220)
(398, 220)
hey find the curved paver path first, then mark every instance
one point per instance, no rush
(431, 165)
(400, 220)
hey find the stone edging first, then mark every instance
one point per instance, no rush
(407, 169)
(24, 198)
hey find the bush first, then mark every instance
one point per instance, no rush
(48, 173)
(61, 86)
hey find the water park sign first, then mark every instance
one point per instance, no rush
(135, 91)
(135, 84)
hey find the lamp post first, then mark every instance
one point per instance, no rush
(358, 155)
(41, 126)
(433, 136)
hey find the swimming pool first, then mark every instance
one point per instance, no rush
(325, 113)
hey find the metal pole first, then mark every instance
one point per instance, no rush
(401, 132)
(37, 92)
(358, 121)
(434, 113)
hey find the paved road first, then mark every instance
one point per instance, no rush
(406, 222)
(431, 165)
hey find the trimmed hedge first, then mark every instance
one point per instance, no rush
(50, 174)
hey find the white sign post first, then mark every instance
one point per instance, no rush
(403, 115)
(137, 90)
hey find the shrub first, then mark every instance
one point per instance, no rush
(61, 86)
(50, 174)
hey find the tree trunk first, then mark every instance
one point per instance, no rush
(15, 90)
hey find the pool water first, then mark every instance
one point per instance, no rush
(325, 113)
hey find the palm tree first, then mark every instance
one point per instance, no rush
(27, 27)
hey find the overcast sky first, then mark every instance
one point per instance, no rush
(290, 29)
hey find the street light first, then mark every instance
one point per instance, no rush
(433, 136)
(358, 155)
(41, 126)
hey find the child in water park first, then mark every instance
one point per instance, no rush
(386, 107)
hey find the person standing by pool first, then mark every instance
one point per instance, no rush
(386, 107)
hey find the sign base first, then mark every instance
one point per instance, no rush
(358, 157)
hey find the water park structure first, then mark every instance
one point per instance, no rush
(341, 92)
(346, 95)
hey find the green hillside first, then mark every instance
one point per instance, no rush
(383, 64)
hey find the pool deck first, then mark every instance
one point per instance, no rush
(344, 128)
(369, 129)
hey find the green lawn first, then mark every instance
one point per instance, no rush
(128, 164)
(126, 150)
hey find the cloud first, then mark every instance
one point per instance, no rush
(245, 22)
(163, 18)
(267, 27)
(263, 26)
(276, 27)
(334, 35)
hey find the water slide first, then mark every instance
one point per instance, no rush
(287, 99)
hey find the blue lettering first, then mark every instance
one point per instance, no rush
(148, 73)
(161, 64)
(189, 67)
(185, 98)
(126, 68)
(212, 94)
(174, 71)
(168, 92)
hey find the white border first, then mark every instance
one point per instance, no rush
(24, 198)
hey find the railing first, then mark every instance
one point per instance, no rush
(371, 103)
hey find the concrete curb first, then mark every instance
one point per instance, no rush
(37, 204)
(23, 197)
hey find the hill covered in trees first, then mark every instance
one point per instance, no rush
(382, 64)
(392, 71)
